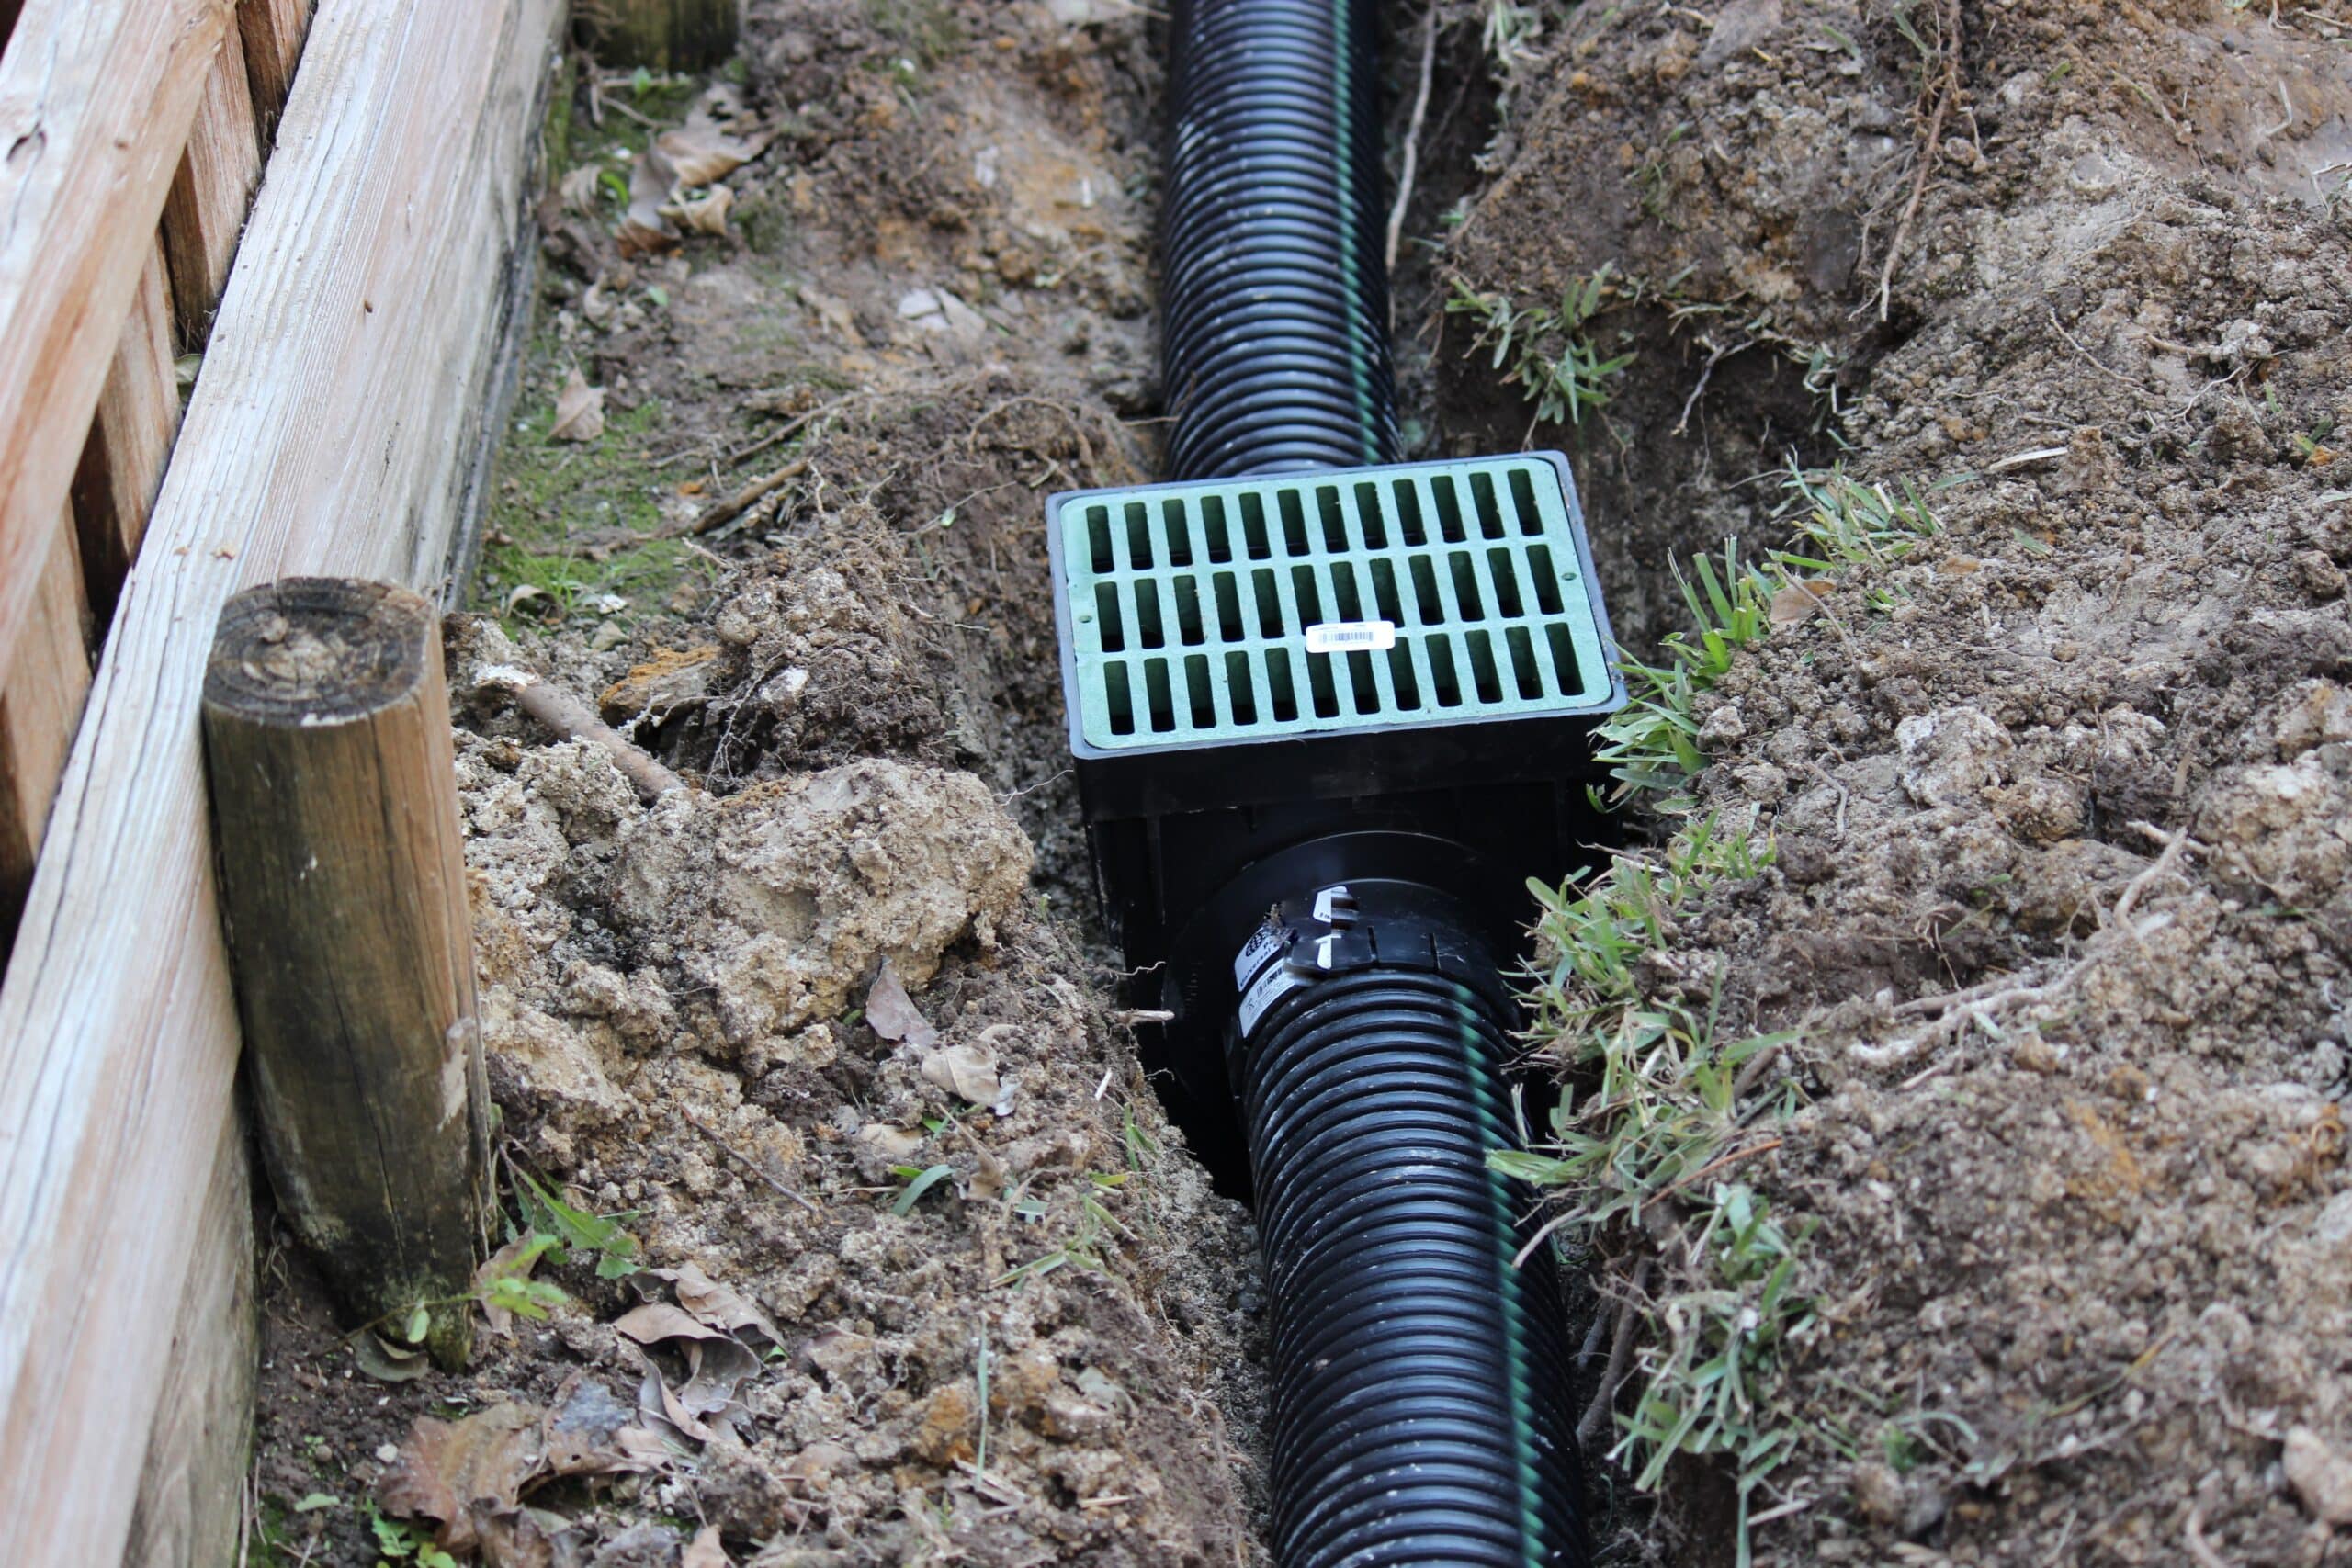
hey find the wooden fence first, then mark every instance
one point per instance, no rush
(322, 217)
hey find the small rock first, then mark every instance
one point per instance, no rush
(2320, 1474)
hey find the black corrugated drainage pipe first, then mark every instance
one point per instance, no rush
(1419, 1382)
(1274, 298)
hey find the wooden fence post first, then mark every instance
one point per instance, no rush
(662, 35)
(343, 893)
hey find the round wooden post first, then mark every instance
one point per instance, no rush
(662, 35)
(343, 895)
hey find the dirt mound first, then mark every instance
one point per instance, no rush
(2055, 787)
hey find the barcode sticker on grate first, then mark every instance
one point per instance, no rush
(1335, 637)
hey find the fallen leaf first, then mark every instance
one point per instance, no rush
(719, 1306)
(965, 1070)
(701, 151)
(524, 596)
(1798, 600)
(657, 1321)
(387, 1362)
(718, 1369)
(648, 1449)
(579, 189)
(643, 229)
(704, 1551)
(702, 215)
(466, 1474)
(515, 1260)
(894, 1015)
(579, 410)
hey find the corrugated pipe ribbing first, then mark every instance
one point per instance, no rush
(1274, 331)
(1420, 1379)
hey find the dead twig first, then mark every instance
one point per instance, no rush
(1947, 95)
(1706, 372)
(2162, 864)
(2193, 1535)
(2097, 363)
(1620, 1357)
(572, 719)
(755, 1166)
(743, 501)
(1413, 136)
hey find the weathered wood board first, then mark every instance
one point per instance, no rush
(326, 437)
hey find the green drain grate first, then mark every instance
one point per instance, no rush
(1353, 599)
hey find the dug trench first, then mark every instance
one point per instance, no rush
(838, 1222)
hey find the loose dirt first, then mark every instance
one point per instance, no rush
(2083, 760)
(2060, 800)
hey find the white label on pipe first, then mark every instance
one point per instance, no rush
(1261, 945)
(1345, 637)
(1261, 996)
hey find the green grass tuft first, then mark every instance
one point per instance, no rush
(1549, 348)
(1838, 523)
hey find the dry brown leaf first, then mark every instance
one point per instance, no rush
(643, 229)
(703, 215)
(468, 1475)
(647, 1450)
(704, 1551)
(967, 1071)
(1795, 602)
(720, 1306)
(701, 151)
(387, 1363)
(718, 1369)
(657, 1321)
(893, 1014)
(579, 189)
(579, 411)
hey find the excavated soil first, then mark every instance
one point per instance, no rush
(2083, 761)
(2096, 1229)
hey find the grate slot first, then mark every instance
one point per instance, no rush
(1149, 633)
(1244, 695)
(1409, 526)
(1227, 594)
(1525, 674)
(1213, 529)
(1188, 607)
(1484, 678)
(1482, 497)
(1179, 534)
(1158, 698)
(1281, 690)
(1097, 537)
(1293, 515)
(1546, 580)
(1138, 537)
(1123, 701)
(1523, 497)
(1502, 568)
(1370, 517)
